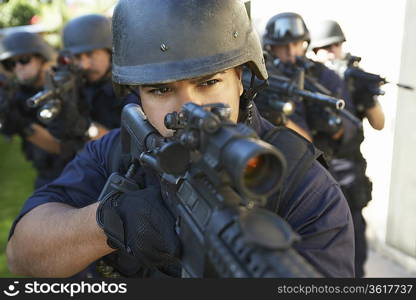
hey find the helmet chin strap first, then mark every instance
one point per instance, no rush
(253, 90)
(247, 98)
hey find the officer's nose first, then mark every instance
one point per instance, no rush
(187, 94)
(83, 61)
(291, 53)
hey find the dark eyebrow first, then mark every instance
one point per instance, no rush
(155, 86)
(206, 77)
(194, 80)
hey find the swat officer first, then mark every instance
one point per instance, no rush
(27, 57)
(202, 66)
(88, 39)
(285, 42)
(350, 166)
(87, 42)
(327, 42)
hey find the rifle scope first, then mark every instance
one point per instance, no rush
(254, 167)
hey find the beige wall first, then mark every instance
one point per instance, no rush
(401, 226)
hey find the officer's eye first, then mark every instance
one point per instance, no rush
(160, 91)
(209, 82)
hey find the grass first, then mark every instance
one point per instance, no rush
(16, 185)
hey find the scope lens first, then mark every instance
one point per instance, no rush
(256, 172)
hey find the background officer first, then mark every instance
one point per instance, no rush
(87, 44)
(327, 41)
(27, 57)
(88, 39)
(285, 42)
(350, 166)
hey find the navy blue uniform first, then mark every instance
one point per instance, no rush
(104, 107)
(317, 210)
(346, 163)
(349, 167)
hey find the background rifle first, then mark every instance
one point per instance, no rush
(61, 85)
(372, 81)
(309, 83)
(299, 88)
(222, 174)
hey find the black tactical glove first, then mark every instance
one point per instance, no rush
(364, 96)
(70, 123)
(323, 119)
(137, 221)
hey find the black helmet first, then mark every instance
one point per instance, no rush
(162, 41)
(23, 42)
(326, 33)
(87, 33)
(285, 28)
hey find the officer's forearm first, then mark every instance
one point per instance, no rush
(43, 139)
(101, 131)
(375, 116)
(56, 240)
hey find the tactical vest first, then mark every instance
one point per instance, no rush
(299, 154)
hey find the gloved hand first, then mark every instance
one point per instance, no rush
(137, 221)
(364, 96)
(323, 119)
(70, 123)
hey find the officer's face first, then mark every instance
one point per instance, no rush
(330, 52)
(288, 53)
(158, 100)
(27, 67)
(96, 63)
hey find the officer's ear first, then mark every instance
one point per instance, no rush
(239, 72)
(121, 90)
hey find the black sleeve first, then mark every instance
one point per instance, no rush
(319, 213)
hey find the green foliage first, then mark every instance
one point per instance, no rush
(17, 12)
(16, 184)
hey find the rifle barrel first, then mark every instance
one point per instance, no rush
(405, 86)
(39, 98)
(283, 85)
(339, 104)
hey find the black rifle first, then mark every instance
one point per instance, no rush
(290, 88)
(371, 81)
(221, 173)
(299, 74)
(298, 88)
(63, 84)
(62, 106)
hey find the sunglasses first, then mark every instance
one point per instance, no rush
(10, 64)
